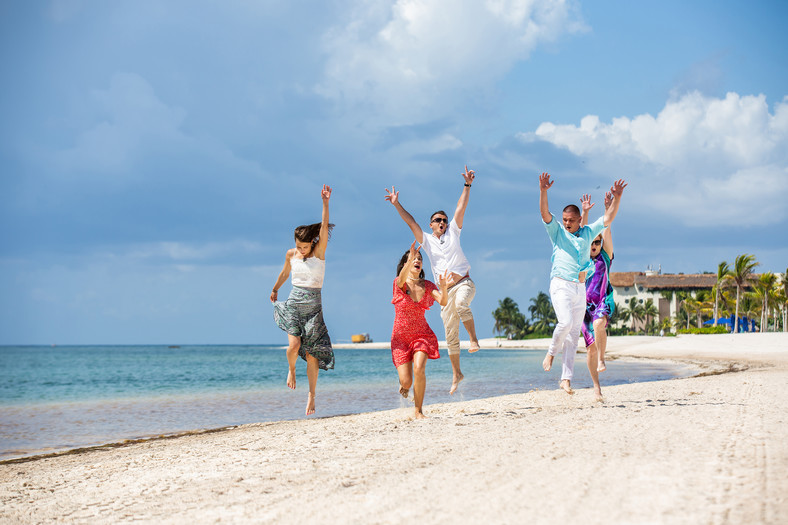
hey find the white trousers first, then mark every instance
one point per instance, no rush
(457, 309)
(569, 302)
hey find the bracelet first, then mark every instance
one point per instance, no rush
(467, 185)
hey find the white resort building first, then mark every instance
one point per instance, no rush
(652, 283)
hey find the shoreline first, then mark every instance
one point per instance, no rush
(698, 368)
(708, 448)
(636, 353)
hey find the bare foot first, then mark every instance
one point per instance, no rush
(547, 364)
(598, 394)
(474, 347)
(404, 392)
(566, 386)
(310, 404)
(456, 382)
(291, 378)
(419, 415)
(601, 367)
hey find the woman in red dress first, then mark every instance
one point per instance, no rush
(412, 340)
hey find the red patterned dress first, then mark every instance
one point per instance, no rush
(411, 331)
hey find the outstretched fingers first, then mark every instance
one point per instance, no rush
(392, 195)
(618, 187)
(326, 192)
(585, 200)
(544, 181)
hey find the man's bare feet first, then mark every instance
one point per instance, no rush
(566, 386)
(547, 364)
(474, 347)
(291, 378)
(310, 404)
(419, 415)
(598, 394)
(601, 367)
(455, 382)
(404, 392)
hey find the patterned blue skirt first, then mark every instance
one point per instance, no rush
(301, 315)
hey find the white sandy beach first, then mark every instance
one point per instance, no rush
(708, 449)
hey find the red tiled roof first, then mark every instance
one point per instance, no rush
(665, 281)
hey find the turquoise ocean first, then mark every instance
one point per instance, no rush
(65, 397)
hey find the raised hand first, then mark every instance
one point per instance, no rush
(325, 193)
(544, 182)
(608, 199)
(586, 203)
(443, 280)
(469, 176)
(413, 251)
(618, 188)
(392, 196)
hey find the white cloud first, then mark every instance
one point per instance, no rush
(411, 60)
(707, 161)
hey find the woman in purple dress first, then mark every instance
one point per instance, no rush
(599, 298)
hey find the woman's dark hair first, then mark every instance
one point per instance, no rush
(311, 233)
(403, 260)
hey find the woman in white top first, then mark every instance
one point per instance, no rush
(301, 315)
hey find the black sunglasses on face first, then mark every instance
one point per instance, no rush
(440, 219)
(596, 243)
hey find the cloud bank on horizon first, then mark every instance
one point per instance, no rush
(156, 156)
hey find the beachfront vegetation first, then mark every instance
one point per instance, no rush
(738, 291)
(510, 322)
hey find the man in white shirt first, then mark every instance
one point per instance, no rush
(442, 245)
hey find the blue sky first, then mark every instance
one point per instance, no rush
(156, 156)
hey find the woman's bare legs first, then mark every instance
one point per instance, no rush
(312, 369)
(293, 344)
(592, 361)
(600, 335)
(419, 382)
(405, 372)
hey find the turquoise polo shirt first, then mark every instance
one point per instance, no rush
(571, 251)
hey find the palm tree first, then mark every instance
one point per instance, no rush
(633, 311)
(702, 305)
(741, 274)
(542, 313)
(784, 300)
(763, 290)
(685, 306)
(508, 319)
(723, 271)
(650, 311)
(749, 305)
(615, 316)
(782, 304)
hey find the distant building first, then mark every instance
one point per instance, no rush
(652, 283)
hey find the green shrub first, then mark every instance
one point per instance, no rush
(705, 330)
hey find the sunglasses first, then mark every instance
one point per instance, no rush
(596, 243)
(440, 219)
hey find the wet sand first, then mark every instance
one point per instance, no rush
(708, 449)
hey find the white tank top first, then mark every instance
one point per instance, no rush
(307, 273)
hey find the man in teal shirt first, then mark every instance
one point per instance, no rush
(570, 262)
